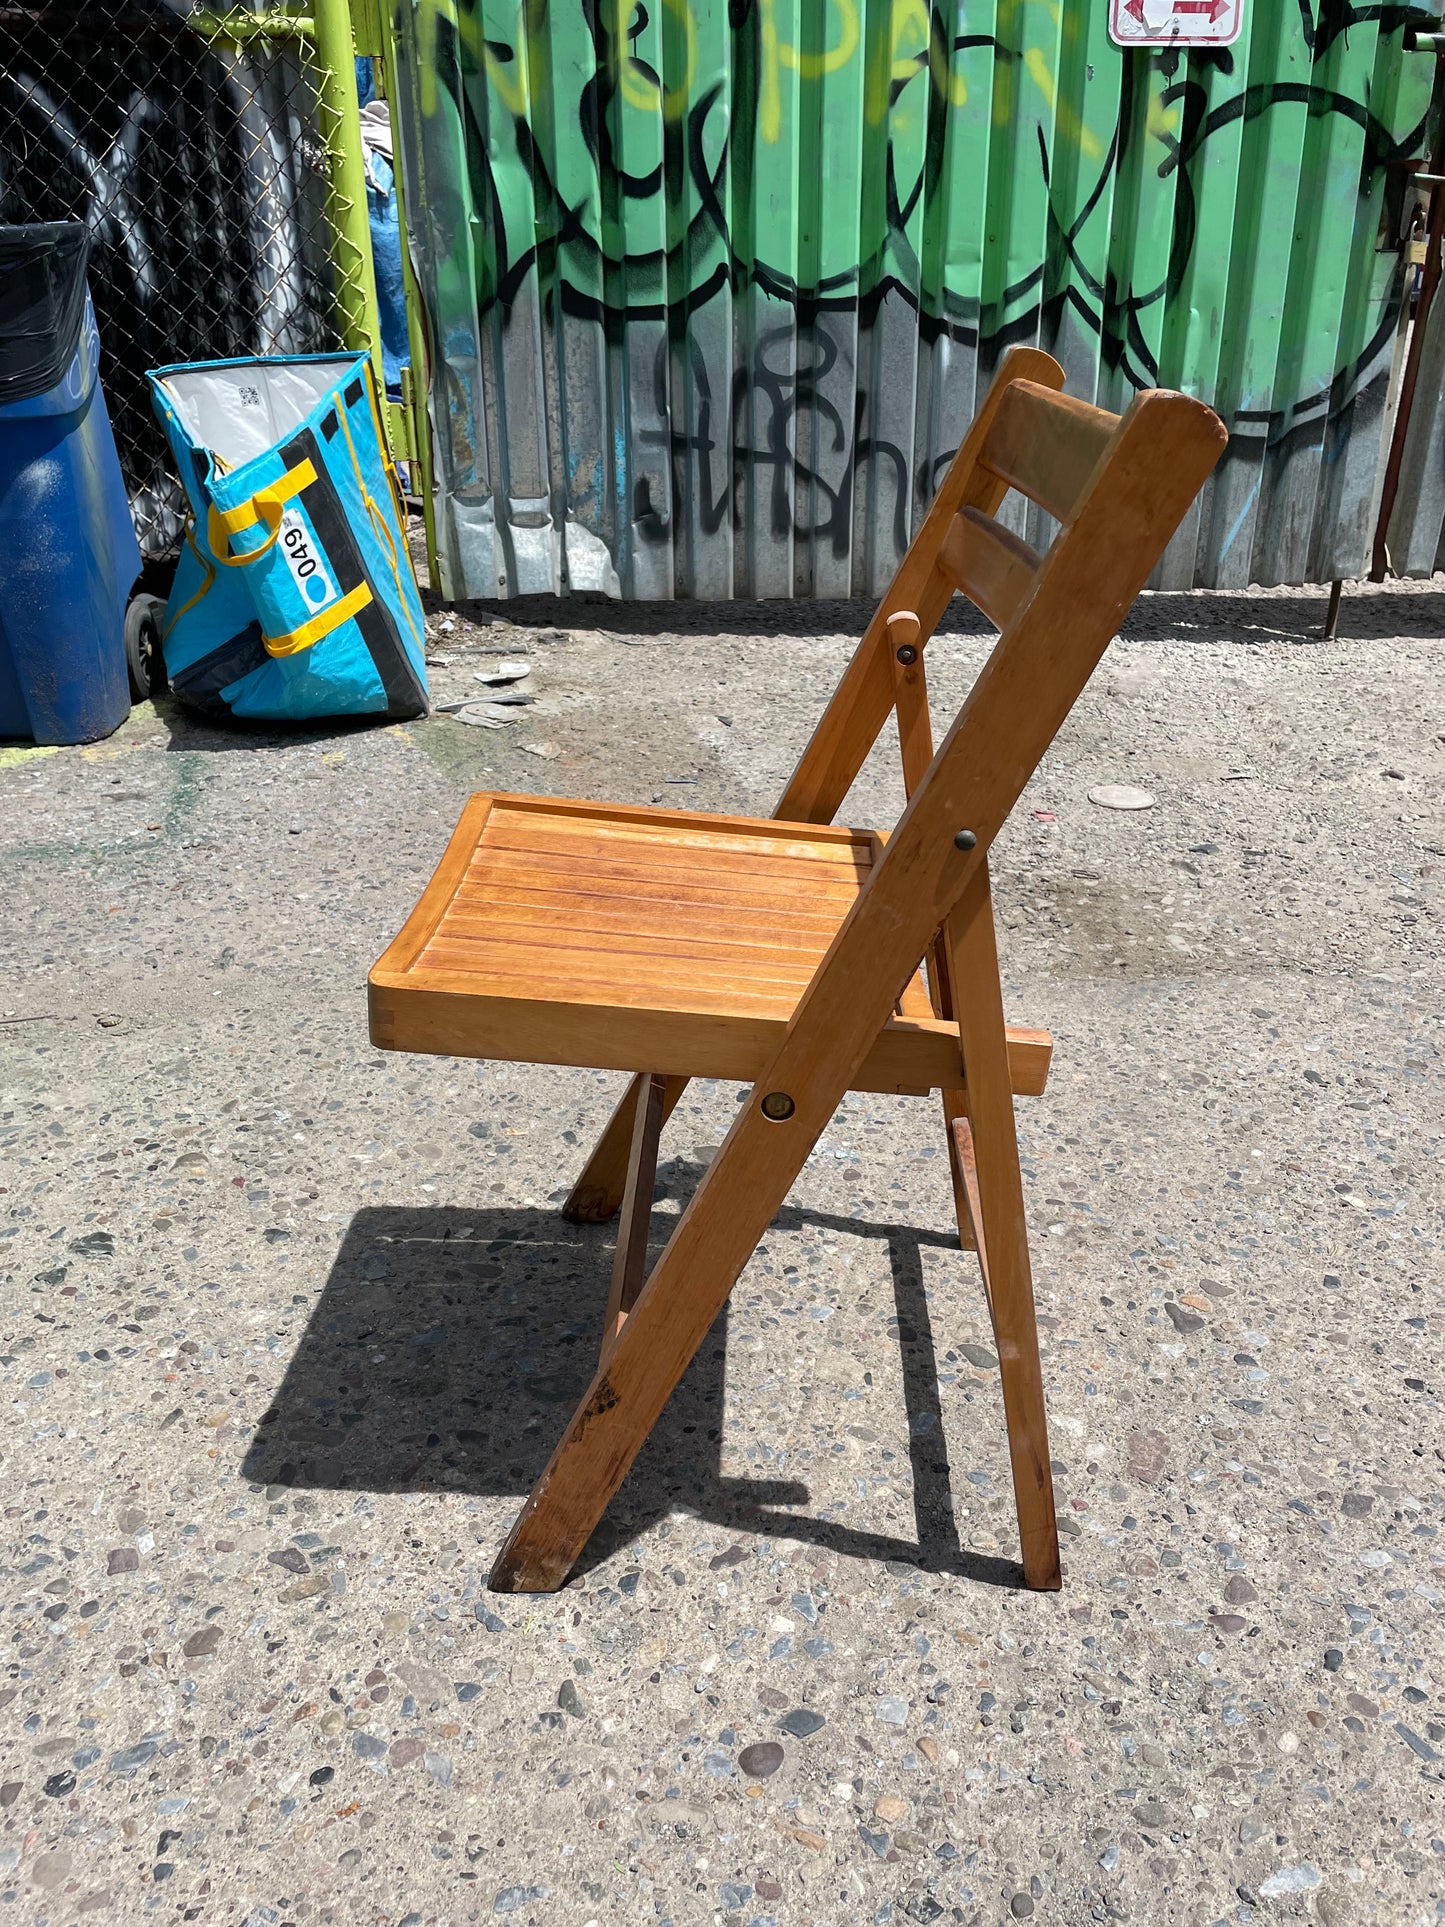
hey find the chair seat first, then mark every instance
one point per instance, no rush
(635, 939)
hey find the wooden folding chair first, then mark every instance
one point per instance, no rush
(787, 954)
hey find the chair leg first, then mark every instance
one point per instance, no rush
(955, 1113)
(597, 1195)
(955, 1103)
(996, 1197)
(966, 1198)
(629, 1266)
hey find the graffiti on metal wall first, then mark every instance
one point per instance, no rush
(772, 212)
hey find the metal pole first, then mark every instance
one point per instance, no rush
(374, 28)
(359, 315)
(1332, 614)
(416, 388)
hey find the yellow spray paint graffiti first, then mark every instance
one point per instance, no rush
(639, 85)
(1036, 66)
(778, 54)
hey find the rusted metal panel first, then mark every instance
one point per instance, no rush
(712, 290)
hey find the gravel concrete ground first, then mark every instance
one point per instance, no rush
(290, 1326)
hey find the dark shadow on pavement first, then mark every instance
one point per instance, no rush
(449, 1347)
(188, 730)
(1212, 616)
(1196, 615)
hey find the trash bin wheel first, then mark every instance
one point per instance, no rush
(144, 619)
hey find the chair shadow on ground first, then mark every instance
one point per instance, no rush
(449, 1347)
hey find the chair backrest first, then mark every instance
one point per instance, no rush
(1081, 465)
(1119, 487)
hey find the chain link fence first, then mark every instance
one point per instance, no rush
(189, 142)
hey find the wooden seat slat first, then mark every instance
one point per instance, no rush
(613, 958)
(612, 878)
(667, 834)
(749, 930)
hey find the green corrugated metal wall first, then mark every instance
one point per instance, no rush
(713, 286)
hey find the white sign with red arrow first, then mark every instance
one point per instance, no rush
(1175, 23)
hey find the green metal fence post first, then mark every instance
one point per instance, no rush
(358, 313)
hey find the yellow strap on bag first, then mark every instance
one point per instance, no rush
(266, 506)
(311, 632)
(267, 510)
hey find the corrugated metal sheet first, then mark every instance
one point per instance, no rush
(712, 289)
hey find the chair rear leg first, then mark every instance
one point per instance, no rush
(955, 1107)
(965, 1191)
(629, 1266)
(955, 1113)
(1003, 1241)
(596, 1197)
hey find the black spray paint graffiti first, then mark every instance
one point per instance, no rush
(719, 453)
(679, 203)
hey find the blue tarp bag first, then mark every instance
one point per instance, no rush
(294, 596)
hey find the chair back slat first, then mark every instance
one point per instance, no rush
(1047, 445)
(989, 564)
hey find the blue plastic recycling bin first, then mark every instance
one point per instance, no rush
(68, 553)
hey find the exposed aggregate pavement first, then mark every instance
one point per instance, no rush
(289, 1326)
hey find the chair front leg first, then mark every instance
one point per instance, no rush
(685, 1291)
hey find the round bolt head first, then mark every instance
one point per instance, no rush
(965, 840)
(778, 1105)
(907, 654)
